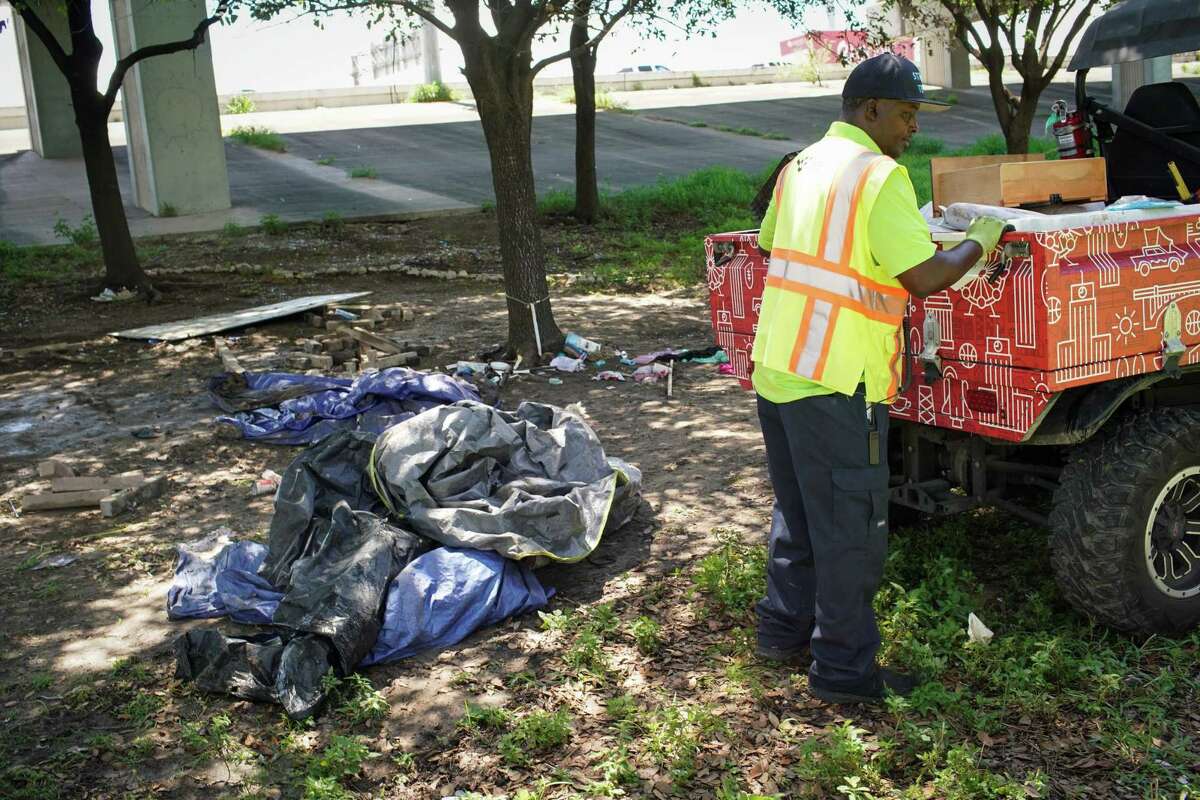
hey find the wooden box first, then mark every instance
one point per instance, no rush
(1019, 183)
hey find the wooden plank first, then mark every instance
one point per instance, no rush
(48, 501)
(228, 361)
(374, 340)
(113, 504)
(55, 468)
(214, 323)
(1072, 179)
(940, 165)
(342, 325)
(109, 482)
(975, 185)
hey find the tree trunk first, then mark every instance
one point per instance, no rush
(583, 71)
(1016, 134)
(121, 266)
(501, 80)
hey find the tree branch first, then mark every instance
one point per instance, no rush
(1072, 32)
(48, 39)
(590, 43)
(141, 54)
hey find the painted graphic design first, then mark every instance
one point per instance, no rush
(1086, 306)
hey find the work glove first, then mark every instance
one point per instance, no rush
(986, 232)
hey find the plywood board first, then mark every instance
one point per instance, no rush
(940, 165)
(1016, 184)
(199, 326)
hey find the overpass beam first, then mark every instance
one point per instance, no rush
(48, 104)
(169, 103)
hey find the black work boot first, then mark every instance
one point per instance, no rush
(872, 691)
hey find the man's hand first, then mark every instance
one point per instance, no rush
(986, 232)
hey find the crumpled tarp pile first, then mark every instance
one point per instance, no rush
(380, 549)
(534, 482)
(286, 408)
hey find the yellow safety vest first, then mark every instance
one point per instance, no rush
(829, 312)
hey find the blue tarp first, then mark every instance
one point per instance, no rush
(447, 594)
(286, 408)
(225, 585)
(436, 601)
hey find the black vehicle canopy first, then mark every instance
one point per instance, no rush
(1137, 30)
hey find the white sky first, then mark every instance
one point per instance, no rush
(284, 55)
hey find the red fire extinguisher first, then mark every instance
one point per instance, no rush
(1070, 130)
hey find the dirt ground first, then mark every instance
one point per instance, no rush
(85, 403)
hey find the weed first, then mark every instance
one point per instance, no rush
(333, 224)
(239, 104)
(28, 783)
(645, 633)
(436, 92)
(324, 161)
(272, 225)
(476, 718)
(461, 678)
(697, 123)
(233, 230)
(323, 789)
(616, 770)
(41, 681)
(697, 82)
(734, 577)
(586, 654)
(730, 789)
(744, 131)
(621, 707)
(559, 620)
(603, 101)
(80, 235)
(262, 138)
(343, 757)
(168, 210)
(535, 733)
(405, 762)
(673, 735)
(363, 171)
(524, 679)
(830, 760)
(213, 739)
(361, 702)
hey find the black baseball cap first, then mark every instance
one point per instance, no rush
(892, 77)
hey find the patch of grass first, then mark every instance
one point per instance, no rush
(262, 138)
(324, 161)
(436, 92)
(733, 578)
(673, 734)
(272, 225)
(744, 131)
(41, 681)
(19, 782)
(357, 699)
(80, 235)
(697, 82)
(363, 171)
(697, 123)
(213, 739)
(616, 771)
(233, 230)
(239, 104)
(168, 210)
(534, 734)
(333, 224)
(604, 100)
(478, 718)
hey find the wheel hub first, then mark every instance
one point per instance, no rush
(1173, 536)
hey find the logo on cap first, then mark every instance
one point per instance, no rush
(920, 85)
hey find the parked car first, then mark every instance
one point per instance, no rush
(645, 68)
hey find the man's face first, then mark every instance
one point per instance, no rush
(893, 124)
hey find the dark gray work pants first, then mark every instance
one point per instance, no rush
(828, 533)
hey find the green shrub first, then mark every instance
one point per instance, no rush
(80, 235)
(735, 577)
(436, 92)
(239, 104)
(363, 171)
(535, 733)
(272, 225)
(262, 138)
(333, 224)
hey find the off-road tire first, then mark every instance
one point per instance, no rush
(1101, 509)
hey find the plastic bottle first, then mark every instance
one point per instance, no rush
(582, 344)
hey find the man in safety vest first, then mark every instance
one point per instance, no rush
(847, 246)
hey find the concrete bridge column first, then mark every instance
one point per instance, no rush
(944, 63)
(169, 103)
(47, 97)
(1130, 75)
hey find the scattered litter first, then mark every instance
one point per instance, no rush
(466, 369)
(146, 432)
(725, 369)
(500, 366)
(977, 632)
(341, 313)
(53, 562)
(1133, 202)
(599, 364)
(555, 381)
(651, 373)
(609, 375)
(581, 344)
(106, 492)
(109, 296)
(565, 364)
(267, 483)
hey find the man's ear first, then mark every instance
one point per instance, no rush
(871, 109)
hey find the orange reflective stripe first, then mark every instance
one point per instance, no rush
(801, 335)
(830, 201)
(848, 242)
(842, 269)
(819, 370)
(837, 299)
(893, 365)
(779, 185)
